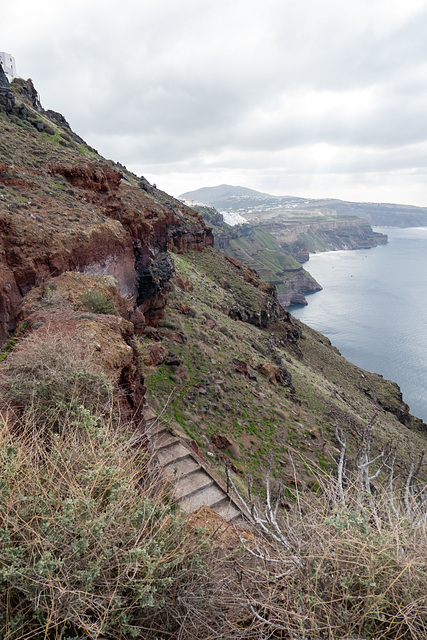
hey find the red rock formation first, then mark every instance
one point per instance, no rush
(157, 355)
(97, 225)
(60, 211)
(271, 372)
(58, 309)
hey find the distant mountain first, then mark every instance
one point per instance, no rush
(226, 197)
(262, 206)
(221, 192)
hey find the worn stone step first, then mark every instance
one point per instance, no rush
(207, 496)
(225, 509)
(163, 439)
(182, 467)
(173, 453)
(240, 521)
(191, 483)
(149, 415)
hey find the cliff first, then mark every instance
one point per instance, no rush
(255, 246)
(63, 207)
(300, 238)
(173, 314)
(144, 363)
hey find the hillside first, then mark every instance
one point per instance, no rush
(258, 206)
(249, 372)
(255, 246)
(64, 209)
(290, 227)
(138, 361)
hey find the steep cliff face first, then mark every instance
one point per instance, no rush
(298, 284)
(63, 208)
(7, 100)
(311, 236)
(255, 246)
(234, 362)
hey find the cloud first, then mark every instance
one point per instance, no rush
(238, 90)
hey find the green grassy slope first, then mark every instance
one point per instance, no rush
(203, 393)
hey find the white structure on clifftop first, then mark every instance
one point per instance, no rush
(8, 64)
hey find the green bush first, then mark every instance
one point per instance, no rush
(11, 343)
(84, 551)
(98, 302)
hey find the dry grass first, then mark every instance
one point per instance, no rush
(53, 379)
(85, 551)
(91, 548)
(351, 568)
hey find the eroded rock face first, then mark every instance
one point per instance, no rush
(83, 217)
(61, 211)
(271, 310)
(298, 285)
(191, 235)
(60, 309)
(7, 100)
(91, 176)
(323, 235)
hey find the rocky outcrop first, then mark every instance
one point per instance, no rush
(189, 235)
(260, 311)
(7, 100)
(61, 308)
(291, 297)
(60, 211)
(27, 90)
(310, 236)
(84, 217)
(298, 285)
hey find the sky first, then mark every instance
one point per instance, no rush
(291, 97)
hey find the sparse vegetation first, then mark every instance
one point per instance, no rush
(344, 562)
(98, 302)
(12, 342)
(92, 544)
(54, 382)
(85, 550)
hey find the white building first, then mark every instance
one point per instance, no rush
(8, 64)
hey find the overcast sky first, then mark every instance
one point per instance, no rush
(293, 97)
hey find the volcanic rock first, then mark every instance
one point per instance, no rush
(157, 355)
(240, 366)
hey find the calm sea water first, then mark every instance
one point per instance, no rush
(373, 308)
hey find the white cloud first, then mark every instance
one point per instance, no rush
(286, 96)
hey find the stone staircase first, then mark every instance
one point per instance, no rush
(194, 483)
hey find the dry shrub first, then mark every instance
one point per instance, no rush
(333, 568)
(85, 552)
(89, 550)
(53, 379)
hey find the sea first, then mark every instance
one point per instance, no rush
(373, 308)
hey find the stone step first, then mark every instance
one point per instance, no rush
(226, 509)
(163, 439)
(149, 415)
(182, 467)
(170, 454)
(206, 496)
(192, 483)
(194, 486)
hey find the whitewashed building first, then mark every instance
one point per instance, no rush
(8, 64)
